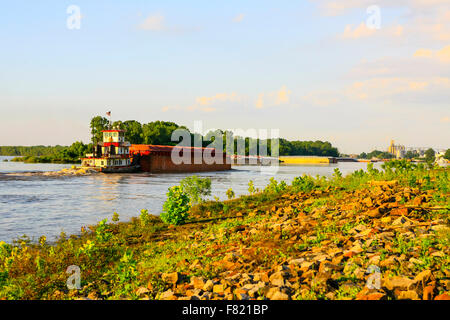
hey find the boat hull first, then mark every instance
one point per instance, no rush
(127, 169)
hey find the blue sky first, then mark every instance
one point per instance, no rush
(313, 69)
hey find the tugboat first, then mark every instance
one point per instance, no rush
(112, 155)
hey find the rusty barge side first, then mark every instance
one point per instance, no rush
(158, 159)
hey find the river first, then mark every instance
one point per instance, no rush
(38, 205)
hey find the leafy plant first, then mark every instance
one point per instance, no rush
(304, 183)
(230, 194)
(176, 208)
(102, 232)
(196, 188)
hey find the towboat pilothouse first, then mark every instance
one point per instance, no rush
(112, 155)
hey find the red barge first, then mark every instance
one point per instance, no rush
(115, 155)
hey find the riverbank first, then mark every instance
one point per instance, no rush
(314, 239)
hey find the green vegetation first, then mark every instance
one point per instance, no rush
(176, 208)
(41, 154)
(430, 155)
(350, 221)
(447, 154)
(376, 154)
(160, 133)
(196, 188)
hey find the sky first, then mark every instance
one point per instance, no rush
(357, 73)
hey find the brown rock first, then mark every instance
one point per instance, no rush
(170, 277)
(428, 293)
(398, 282)
(209, 285)
(198, 282)
(219, 288)
(423, 277)
(167, 295)
(276, 294)
(375, 213)
(277, 279)
(399, 212)
(142, 290)
(371, 296)
(408, 295)
(444, 296)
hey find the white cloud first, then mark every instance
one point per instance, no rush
(239, 18)
(442, 55)
(154, 22)
(274, 98)
(362, 31)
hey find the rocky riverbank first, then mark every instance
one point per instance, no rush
(368, 236)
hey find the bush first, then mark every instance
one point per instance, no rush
(230, 194)
(274, 186)
(196, 188)
(304, 183)
(176, 208)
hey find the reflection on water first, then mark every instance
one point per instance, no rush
(37, 205)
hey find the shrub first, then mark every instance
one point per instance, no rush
(230, 194)
(176, 208)
(274, 186)
(144, 217)
(102, 232)
(196, 188)
(251, 187)
(304, 183)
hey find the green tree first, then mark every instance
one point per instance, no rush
(411, 154)
(429, 155)
(447, 154)
(133, 132)
(196, 188)
(98, 124)
(159, 132)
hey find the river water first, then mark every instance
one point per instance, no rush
(38, 205)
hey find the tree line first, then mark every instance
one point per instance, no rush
(160, 133)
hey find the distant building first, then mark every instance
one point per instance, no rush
(397, 150)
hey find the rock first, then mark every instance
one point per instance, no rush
(276, 294)
(399, 212)
(402, 221)
(219, 288)
(296, 262)
(198, 282)
(209, 285)
(418, 201)
(375, 213)
(423, 277)
(408, 295)
(398, 282)
(428, 293)
(277, 278)
(441, 228)
(167, 295)
(444, 296)
(170, 277)
(388, 262)
(261, 276)
(371, 296)
(142, 290)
